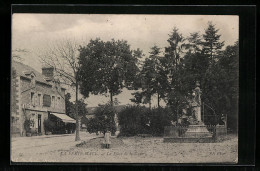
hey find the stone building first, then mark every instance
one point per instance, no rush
(34, 97)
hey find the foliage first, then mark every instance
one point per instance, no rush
(211, 43)
(49, 125)
(27, 124)
(153, 78)
(135, 120)
(159, 118)
(103, 120)
(68, 105)
(107, 66)
(71, 107)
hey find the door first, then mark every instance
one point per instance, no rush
(39, 123)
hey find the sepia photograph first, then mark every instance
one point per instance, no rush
(124, 88)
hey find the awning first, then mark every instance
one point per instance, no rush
(65, 118)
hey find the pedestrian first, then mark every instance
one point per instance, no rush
(107, 141)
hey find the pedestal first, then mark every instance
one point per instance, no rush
(198, 131)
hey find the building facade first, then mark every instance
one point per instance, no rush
(34, 97)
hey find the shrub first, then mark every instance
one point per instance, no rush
(133, 120)
(27, 128)
(159, 118)
(48, 125)
(103, 121)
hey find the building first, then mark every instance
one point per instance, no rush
(34, 97)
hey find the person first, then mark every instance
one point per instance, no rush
(107, 141)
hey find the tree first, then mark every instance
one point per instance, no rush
(71, 107)
(174, 51)
(228, 85)
(211, 43)
(153, 78)
(108, 67)
(194, 43)
(63, 57)
(173, 64)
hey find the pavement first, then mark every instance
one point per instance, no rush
(31, 146)
(62, 148)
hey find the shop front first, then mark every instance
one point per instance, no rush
(63, 123)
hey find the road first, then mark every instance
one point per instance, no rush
(29, 147)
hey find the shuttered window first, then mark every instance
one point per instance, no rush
(46, 100)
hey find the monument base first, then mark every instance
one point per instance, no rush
(197, 131)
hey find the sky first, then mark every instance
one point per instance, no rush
(33, 32)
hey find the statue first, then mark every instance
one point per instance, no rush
(196, 102)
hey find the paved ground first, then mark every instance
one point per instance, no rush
(30, 148)
(135, 150)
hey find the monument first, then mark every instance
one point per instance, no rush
(196, 131)
(197, 128)
(196, 102)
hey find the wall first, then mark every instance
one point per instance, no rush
(35, 107)
(15, 101)
(42, 89)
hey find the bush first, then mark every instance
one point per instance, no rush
(160, 117)
(103, 121)
(27, 128)
(133, 120)
(48, 125)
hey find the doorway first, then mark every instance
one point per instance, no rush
(39, 123)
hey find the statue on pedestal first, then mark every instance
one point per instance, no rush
(196, 102)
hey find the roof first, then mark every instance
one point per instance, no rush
(22, 70)
(64, 118)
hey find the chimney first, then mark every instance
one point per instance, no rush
(48, 72)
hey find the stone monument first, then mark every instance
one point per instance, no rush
(197, 127)
(196, 102)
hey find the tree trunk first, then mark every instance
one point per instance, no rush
(111, 98)
(150, 104)
(77, 138)
(158, 100)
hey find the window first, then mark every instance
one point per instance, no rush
(39, 99)
(53, 101)
(46, 100)
(32, 98)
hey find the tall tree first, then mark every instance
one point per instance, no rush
(174, 51)
(173, 69)
(63, 57)
(211, 43)
(194, 43)
(153, 76)
(108, 66)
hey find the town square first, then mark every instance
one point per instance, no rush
(103, 88)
